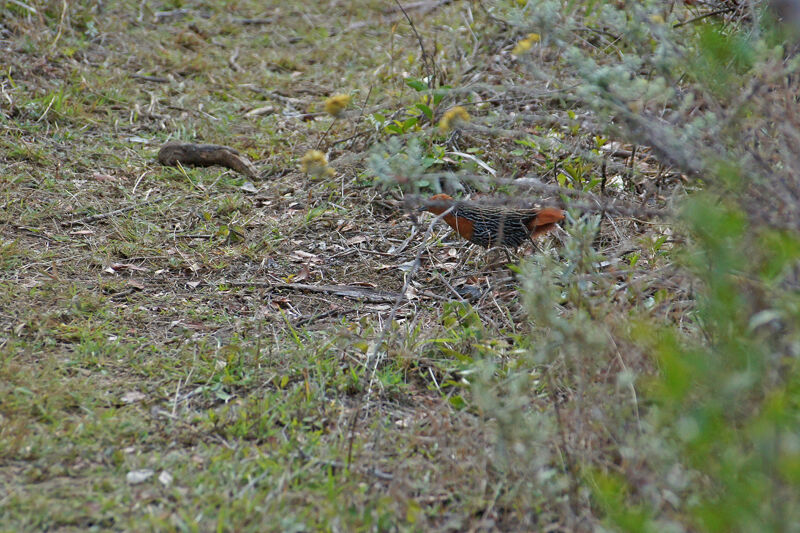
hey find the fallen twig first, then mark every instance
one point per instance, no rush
(99, 216)
(205, 155)
(154, 79)
(347, 291)
(424, 5)
(332, 312)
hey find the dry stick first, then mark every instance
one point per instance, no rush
(347, 291)
(177, 395)
(705, 15)
(603, 213)
(604, 176)
(232, 60)
(425, 57)
(24, 6)
(154, 79)
(164, 14)
(351, 138)
(100, 216)
(325, 134)
(254, 21)
(421, 5)
(332, 312)
(260, 329)
(441, 278)
(354, 136)
(60, 26)
(392, 314)
(138, 180)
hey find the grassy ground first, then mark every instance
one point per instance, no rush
(153, 375)
(133, 343)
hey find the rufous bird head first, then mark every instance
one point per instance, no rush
(443, 203)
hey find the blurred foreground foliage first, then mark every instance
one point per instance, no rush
(717, 445)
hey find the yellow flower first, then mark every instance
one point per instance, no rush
(336, 104)
(526, 44)
(452, 117)
(314, 163)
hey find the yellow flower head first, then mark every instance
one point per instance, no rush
(314, 163)
(526, 44)
(336, 104)
(452, 117)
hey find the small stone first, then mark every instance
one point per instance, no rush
(134, 477)
(165, 478)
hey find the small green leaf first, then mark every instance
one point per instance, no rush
(439, 94)
(425, 110)
(416, 84)
(410, 123)
(659, 243)
(457, 402)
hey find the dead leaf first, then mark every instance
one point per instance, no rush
(303, 256)
(193, 284)
(364, 284)
(358, 239)
(302, 275)
(99, 176)
(136, 284)
(128, 266)
(249, 187)
(132, 397)
(266, 110)
(407, 266)
(280, 303)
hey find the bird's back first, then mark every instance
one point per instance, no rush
(494, 225)
(488, 225)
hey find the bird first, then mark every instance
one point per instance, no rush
(489, 226)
